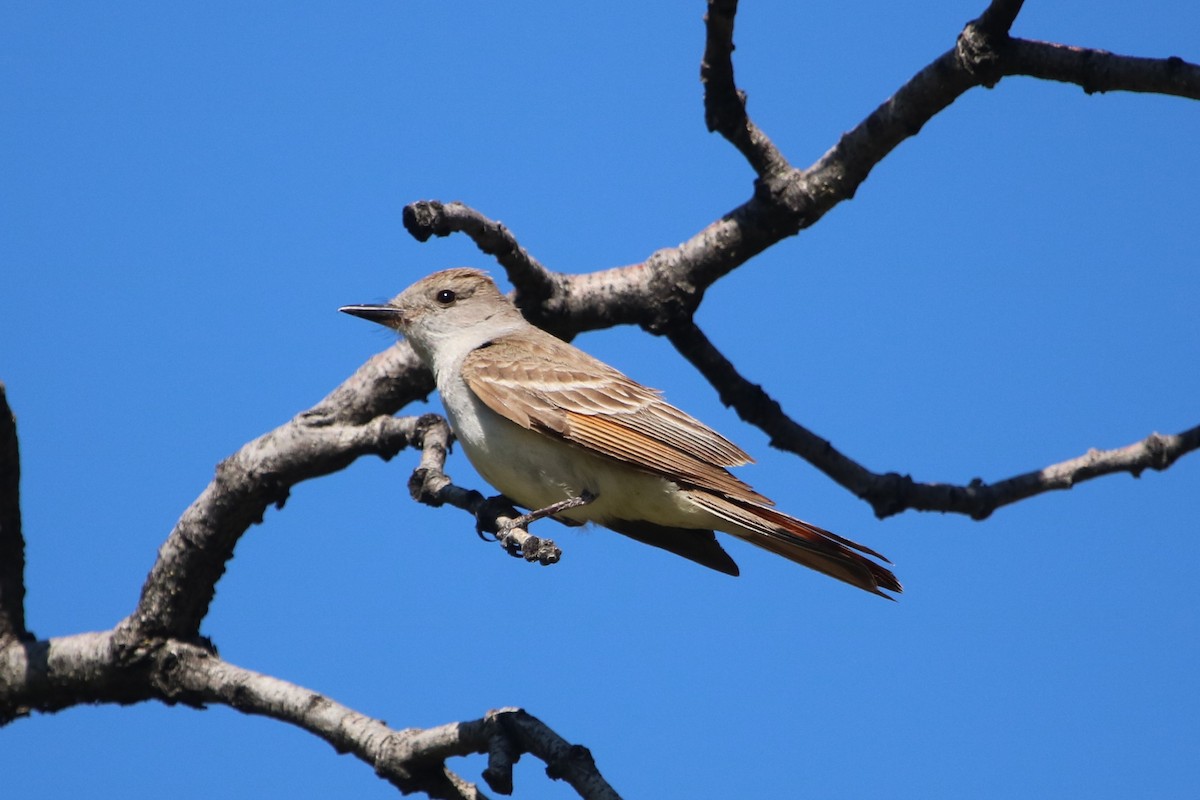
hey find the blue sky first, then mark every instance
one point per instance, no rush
(188, 193)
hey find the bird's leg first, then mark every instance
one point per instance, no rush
(582, 499)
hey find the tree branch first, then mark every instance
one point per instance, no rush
(48, 676)
(724, 103)
(12, 540)
(1101, 71)
(157, 654)
(891, 493)
(324, 439)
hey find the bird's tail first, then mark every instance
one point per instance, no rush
(801, 542)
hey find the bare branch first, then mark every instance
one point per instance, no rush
(101, 668)
(665, 289)
(596, 299)
(58, 673)
(891, 493)
(322, 440)
(157, 653)
(1101, 71)
(505, 734)
(724, 103)
(12, 540)
(564, 761)
(757, 408)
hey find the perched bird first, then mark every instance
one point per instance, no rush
(544, 422)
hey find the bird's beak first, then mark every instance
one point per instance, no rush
(390, 316)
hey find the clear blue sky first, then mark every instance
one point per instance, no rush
(188, 193)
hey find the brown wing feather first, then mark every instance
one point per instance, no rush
(553, 387)
(609, 436)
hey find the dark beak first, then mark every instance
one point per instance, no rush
(384, 315)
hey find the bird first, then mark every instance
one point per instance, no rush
(545, 423)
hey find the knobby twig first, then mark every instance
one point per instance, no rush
(1100, 71)
(433, 218)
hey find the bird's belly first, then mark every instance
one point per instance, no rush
(535, 470)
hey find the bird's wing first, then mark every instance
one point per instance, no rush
(544, 384)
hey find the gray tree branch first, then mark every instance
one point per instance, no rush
(48, 676)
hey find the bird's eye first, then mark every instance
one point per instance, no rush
(445, 297)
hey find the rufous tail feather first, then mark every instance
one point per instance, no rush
(801, 542)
